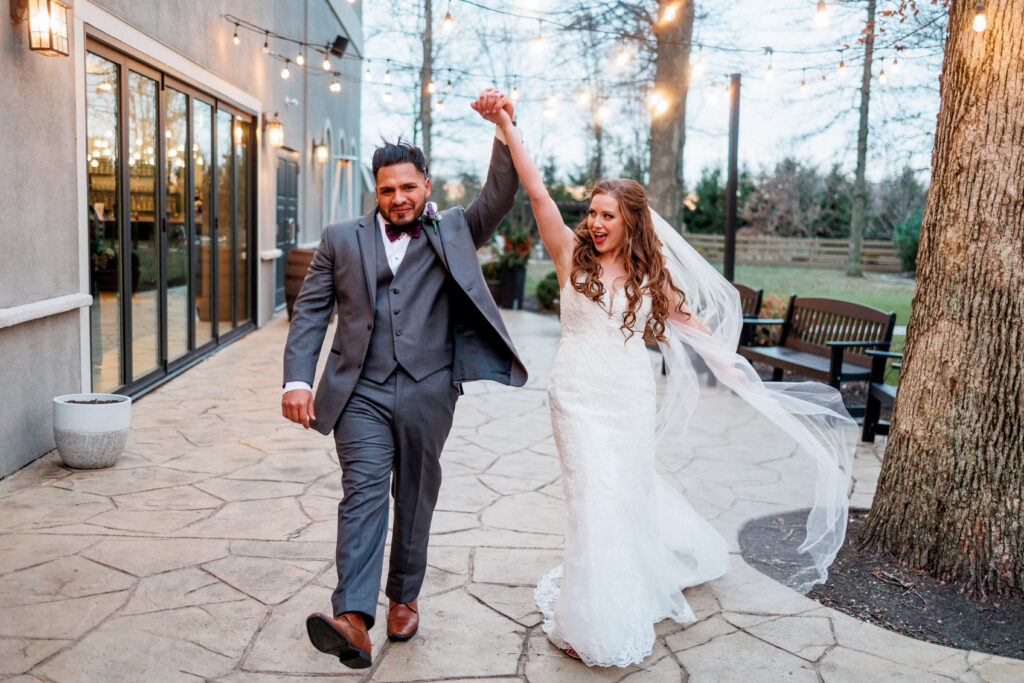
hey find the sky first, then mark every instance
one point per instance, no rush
(816, 125)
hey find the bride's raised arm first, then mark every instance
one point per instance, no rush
(558, 239)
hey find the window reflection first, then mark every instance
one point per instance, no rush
(101, 129)
(241, 234)
(176, 134)
(145, 256)
(225, 224)
(202, 159)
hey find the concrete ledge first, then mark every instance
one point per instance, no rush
(15, 315)
(271, 254)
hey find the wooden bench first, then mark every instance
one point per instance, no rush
(879, 393)
(826, 340)
(750, 306)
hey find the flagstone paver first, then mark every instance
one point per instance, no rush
(201, 553)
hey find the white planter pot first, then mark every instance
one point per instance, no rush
(91, 435)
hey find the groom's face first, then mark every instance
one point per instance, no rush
(402, 192)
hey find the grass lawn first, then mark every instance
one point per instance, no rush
(871, 290)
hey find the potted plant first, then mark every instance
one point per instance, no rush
(518, 243)
(91, 429)
(492, 276)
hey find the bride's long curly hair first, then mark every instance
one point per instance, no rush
(641, 253)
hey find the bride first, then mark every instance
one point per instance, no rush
(633, 542)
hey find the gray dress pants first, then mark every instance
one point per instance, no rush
(398, 427)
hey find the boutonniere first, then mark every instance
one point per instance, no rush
(430, 213)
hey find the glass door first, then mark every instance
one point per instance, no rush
(171, 215)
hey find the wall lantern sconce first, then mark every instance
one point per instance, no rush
(275, 130)
(47, 25)
(321, 152)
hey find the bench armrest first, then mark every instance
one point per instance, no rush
(884, 354)
(835, 366)
(765, 321)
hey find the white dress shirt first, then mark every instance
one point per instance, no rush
(395, 252)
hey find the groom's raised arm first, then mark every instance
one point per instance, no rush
(497, 196)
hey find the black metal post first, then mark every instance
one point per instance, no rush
(729, 257)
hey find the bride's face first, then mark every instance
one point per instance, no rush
(605, 223)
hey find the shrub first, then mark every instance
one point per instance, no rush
(905, 237)
(547, 290)
(772, 306)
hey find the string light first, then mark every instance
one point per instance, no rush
(583, 98)
(387, 77)
(669, 14)
(803, 84)
(448, 86)
(515, 94)
(327, 62)
(368, 74)
(895, 68)
(266, 43)
(335, 85)
(770, 71)
(448, 22)
(235, 39)
(881, 77)
(431, 87)
(286, 72)
(300, 58)
(842, 65)
(821, 16)
(387, 97)
(698, 68)
(440, 105)
(603, 112)
(537, 45)
(623, 58)
(980, 22)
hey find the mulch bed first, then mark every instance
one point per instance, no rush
(873, 588)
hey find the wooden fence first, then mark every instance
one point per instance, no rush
(878, 256)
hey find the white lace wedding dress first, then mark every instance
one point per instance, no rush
(632, 542)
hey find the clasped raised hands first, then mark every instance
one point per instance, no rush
(493, 106)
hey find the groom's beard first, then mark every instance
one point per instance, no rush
(408, 218)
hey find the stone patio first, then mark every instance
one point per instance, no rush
(201, 553)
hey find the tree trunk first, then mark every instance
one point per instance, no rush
(949, 497)
(426, 75)
(668, 129)
(860, 185)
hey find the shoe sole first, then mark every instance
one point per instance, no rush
(331, 641)
(395, 638)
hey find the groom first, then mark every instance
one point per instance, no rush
(415, 320)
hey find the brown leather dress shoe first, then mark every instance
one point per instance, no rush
(344, 636)
(403, 620)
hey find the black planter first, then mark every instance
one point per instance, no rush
(513, 285)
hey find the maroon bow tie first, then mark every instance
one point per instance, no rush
(395, 231)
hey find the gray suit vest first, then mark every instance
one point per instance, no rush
(412, 319)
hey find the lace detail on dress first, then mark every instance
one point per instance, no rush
(632, 541)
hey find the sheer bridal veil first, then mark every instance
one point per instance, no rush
(784, 447)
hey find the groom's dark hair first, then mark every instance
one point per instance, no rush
(400, 152)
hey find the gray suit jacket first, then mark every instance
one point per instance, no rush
(344, 271)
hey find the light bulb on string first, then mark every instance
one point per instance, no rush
(440, 105)
(285, 71)
(387, 74)
(821, 15)
(335, 86)
(448, 86)
(448, 22)
(603, 112)
(431, 87)
(769, 73)
(980, 23)
(842, 65)
(235, 39)
(515, 94)
(881, 77)
(895, 68)
(803, 85)
(266, 43)
(623, 58)
(669, 13)
(537, 44)
(300, 58)
(326, 64)
(387, 97)
(698, 68)
(368, 74)
(583, 98)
